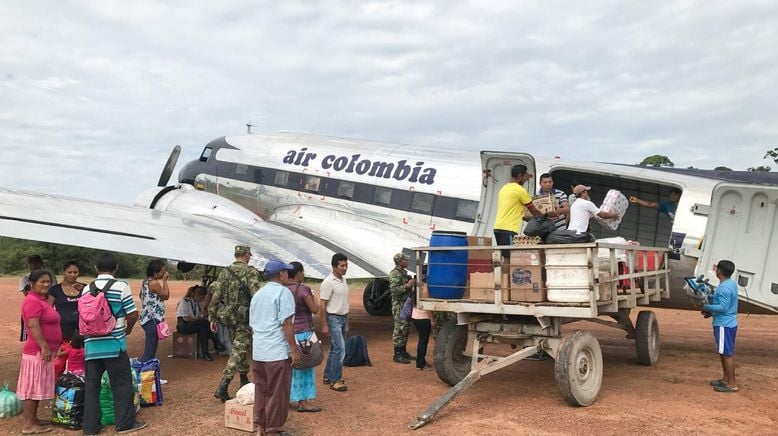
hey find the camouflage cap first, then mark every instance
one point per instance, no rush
(400, 256)
(242, 249)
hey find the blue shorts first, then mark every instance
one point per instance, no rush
(725, 340)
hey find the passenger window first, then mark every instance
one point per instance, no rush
(422, 202)
(467, 209)
(382, 195)
(312, 183)
(282, 178)
(241, 169)
(206, 154)
(346, 190)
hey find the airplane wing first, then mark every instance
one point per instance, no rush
(173, 235)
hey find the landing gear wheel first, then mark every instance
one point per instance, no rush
(376, 298)
(578, 368)
(450, 362)
(647, 338)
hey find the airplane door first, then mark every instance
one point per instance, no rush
(743, 227)
(496, 172)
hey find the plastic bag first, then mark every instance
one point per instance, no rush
(9, 402)
(106, 397)
(564, 236)
(149, 383)
(407, 310)
(245, 395)
(68, 407)
(539, 226)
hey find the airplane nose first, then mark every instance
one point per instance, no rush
(188, 172)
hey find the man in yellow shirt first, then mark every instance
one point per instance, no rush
(511, 201)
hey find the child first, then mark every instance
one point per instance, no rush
(723, 308)
(72, 353)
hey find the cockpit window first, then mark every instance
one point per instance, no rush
(206, 154)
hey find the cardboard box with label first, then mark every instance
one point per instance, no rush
(482, 287)
(526, 283)
(545, 203)
(238, 416)
(526, 258)
(479, 260)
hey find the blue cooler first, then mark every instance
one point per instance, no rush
(447, 270)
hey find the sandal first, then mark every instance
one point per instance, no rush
(339, 386)
(723, 387)
(303, 409)
(38, 430)
(717, 382)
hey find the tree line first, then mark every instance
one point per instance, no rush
(14, 253)
(658, 160)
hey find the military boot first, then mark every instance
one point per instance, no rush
(398, 356)
(407, 355)
(222, 391)
(244, 379)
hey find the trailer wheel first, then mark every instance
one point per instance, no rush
(578, 368)
(376, 298)
(450, 362)
(647, 338)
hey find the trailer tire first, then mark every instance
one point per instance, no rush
(647, 338)
(450, 362)
(578, 368)
(376, 298)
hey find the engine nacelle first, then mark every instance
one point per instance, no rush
(188, 200)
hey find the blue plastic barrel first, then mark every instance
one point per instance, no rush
(447, 270)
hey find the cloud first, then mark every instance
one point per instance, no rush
(94, 89)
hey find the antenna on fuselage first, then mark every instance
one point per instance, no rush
(248, 128)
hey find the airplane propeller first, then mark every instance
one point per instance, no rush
(170, 165)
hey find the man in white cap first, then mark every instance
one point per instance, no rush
(582, 210)
(274, 349)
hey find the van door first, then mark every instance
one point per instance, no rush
(496, 172)
(743, 227)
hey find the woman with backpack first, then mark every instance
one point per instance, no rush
(153, 293)
(303, 380)
(36, 373)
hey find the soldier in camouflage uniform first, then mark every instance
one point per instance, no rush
(229, 306)
(400, 286)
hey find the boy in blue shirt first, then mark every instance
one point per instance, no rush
(723, 308)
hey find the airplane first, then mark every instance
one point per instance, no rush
(302, 197)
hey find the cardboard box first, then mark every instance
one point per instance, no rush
(479, 260)
(185, 346)
(527, 283)
(545, 203)
(482, 287)
(238, 416)
(526, 258)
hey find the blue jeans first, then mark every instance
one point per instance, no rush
(152, 340)
(334, 368)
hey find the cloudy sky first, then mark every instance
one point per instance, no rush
(94, 94)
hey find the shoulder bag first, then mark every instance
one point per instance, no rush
(309, 349)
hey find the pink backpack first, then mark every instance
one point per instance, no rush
(95, 317)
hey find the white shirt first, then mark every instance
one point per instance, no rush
(335, 291)
(581, 211)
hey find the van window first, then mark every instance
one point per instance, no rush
(382, 195)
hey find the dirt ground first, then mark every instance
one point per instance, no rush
(671, 398)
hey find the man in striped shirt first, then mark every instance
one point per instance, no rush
(563, 206)
(109, 353)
